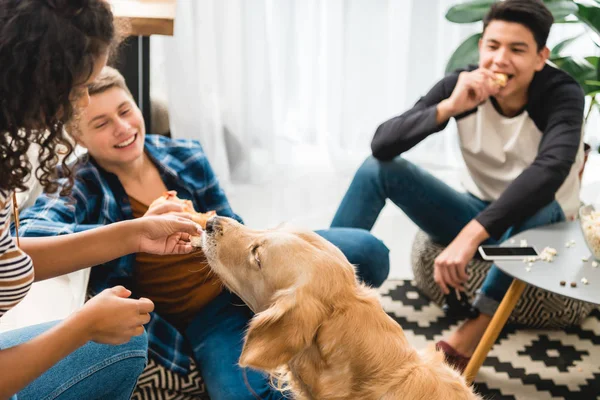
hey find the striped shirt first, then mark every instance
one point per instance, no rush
(16, 267)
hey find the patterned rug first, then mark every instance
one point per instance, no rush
(523, 365)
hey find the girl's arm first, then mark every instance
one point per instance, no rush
(59, 255)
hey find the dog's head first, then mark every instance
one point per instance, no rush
(290, 278)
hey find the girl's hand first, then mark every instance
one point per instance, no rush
(112, 318)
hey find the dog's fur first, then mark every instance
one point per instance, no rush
(314, 322)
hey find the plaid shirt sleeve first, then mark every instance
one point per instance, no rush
(212, 194)
(199, 177)
(53, 215)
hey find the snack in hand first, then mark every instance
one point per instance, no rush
(196, 241)
(197, 217)
(501, 79)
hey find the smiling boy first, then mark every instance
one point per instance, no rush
(522, 145)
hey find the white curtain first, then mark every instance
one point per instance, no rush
(272, 85)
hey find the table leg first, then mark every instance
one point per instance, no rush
(493, 330)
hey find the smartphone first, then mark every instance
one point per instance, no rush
(491, 253)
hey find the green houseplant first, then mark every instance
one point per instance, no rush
(586, 70)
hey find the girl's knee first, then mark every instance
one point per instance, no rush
(133, 354)
(136, 343)
(137, 350)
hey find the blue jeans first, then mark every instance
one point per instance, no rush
(94, 371)
(216, 334)
(434, 207)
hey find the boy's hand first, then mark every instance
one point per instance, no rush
(167, 207)
(472, 89)
(450, 267)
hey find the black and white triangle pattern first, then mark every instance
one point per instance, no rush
(160, 383)
(525, 364)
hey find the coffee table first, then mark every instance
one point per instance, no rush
(567, 266)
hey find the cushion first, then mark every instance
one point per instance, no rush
(537, 308)
(159, 383)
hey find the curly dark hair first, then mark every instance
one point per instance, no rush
(46, 48)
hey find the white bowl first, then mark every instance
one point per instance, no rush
(589, 220)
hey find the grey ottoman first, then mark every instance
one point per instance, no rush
(536, 308)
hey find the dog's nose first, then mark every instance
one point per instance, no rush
(211, 224)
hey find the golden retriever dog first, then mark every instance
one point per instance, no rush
(317, 328)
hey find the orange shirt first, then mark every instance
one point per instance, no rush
(179, 285)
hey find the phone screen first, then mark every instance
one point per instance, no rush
(493, 251)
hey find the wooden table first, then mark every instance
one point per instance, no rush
(146, 18)
(567, 266)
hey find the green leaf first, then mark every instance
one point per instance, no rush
(556, 50)
(475, 10)
(470, 11)
(593, 95)
(594, 60)
(561, 9)
(569, 19)
(590, 15)
(581, 69)
(467, 53)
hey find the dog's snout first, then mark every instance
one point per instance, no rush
(212, 224)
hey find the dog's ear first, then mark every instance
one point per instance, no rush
(281, 331)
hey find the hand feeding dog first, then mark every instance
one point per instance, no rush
(318, 331)
(188, 206)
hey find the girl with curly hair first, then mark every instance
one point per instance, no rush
(50, 50)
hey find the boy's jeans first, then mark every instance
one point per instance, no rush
(434, 206)
(94, 371)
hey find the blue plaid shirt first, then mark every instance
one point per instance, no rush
(98, 199)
